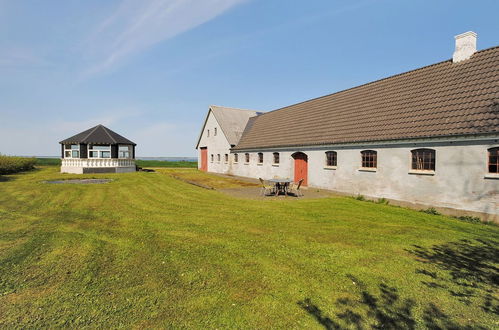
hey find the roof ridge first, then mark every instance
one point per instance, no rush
(372, 82)
(232, 108)
(92, 130)
(106, 130)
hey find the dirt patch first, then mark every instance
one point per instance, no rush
(80, 181)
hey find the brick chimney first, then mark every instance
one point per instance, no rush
(465, 46)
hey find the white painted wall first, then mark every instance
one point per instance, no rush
(217, 145)
(460, 180)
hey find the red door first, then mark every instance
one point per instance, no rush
(301, 167)
(204, 159)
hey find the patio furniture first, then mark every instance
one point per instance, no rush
(295, 188)
(265, 188)
(281, 185)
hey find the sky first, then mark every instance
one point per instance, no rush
(149, 70)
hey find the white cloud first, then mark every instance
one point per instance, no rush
(137, 25)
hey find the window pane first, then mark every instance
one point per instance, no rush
(94, 154)
(75, 147)
(67, 154)
(236, 157)
(75, 154)
(124, 148)
(105, 154)
(101, 148)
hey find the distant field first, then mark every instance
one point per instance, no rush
(141, 163)
(149, 250)
(161, 163)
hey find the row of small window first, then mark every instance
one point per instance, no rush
(95, 151)
(214, 132)
(246, 158)
(421, 159)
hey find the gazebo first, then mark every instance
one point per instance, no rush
(97, 150)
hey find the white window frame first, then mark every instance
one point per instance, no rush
(99, 151)
(130, 151)
(71, 150)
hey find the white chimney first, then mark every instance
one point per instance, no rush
(465, 46)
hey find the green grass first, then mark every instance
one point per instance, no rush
(141, 163)
(148, 250)
(48, 161)
(160, 163)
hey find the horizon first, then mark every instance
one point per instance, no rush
(149, 71)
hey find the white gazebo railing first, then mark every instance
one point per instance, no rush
(107, 162)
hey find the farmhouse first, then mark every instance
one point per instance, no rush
(97, 150)
(428, 136)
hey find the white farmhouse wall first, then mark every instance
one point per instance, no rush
(460, 180)
(216, 144)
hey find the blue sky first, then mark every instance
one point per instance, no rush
(150, 69)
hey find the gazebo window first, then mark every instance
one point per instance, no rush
(212, 158)
(208, 133)
(236, 158)
(369, 159)
(124, 152)
(218, 158)
(260, 158)
(494, 160)
(331, 158)
(423, 160)
(71, 151)
(226, 158)
(276, 158)
(96, 151)
(247, 157)
(215, 131)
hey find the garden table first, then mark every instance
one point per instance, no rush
(281, 185)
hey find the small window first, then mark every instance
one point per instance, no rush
(72, 151)
(218, 158)
(226, 158)
(208, 133)
(369, 158)
(260, 157)
(99, 151)
(246, 158)
(331, 158)
(494, 160)
(276, 157)
(212, 158)
(124, 152)
(423, 160)
(215, 132)
(236, 158)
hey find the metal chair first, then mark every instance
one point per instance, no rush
(265, 188)
(295, 188)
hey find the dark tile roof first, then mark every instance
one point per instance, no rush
(444, 99)
(98, 135)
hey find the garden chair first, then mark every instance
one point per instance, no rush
(265, 188)
(295, 188)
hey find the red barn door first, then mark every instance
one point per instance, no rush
(204, 159)
(301, 167)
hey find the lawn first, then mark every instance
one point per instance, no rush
(150, 250)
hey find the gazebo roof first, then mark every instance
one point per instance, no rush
(98, 135)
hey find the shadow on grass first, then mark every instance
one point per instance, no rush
(384, 309)
(468, 270)
(4, 178)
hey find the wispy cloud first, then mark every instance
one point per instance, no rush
(16, 57)
(137, 25)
